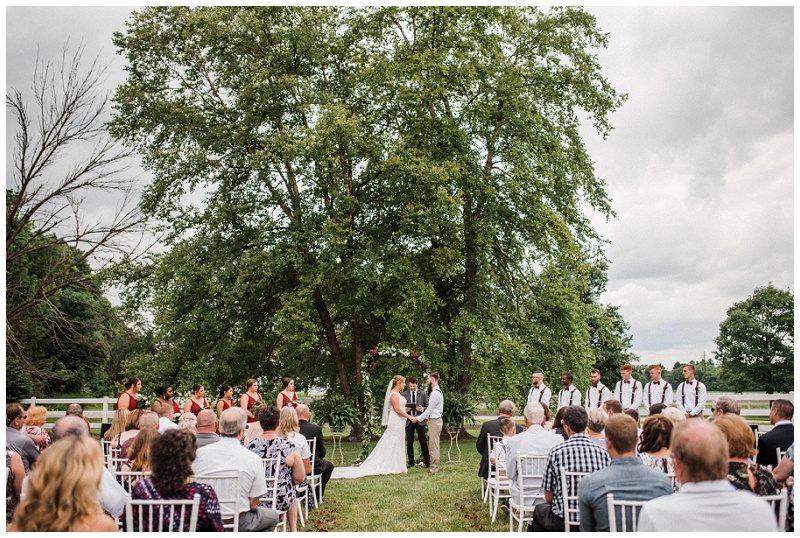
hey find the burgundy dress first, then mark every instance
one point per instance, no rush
(250, 402)
(287, 401)
(194, 408)
(131, 405)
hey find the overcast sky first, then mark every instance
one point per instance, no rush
(699, 165)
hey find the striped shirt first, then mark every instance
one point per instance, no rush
(576, 454)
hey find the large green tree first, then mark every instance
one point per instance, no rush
(755, 346)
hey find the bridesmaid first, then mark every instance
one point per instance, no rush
(287, 396)
(197, 401)
(250, 398)
(128, 399)
(225, 399)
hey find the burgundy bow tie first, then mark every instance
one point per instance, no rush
(627, 382)
(594, 385)
(656, 382)
(689, 383)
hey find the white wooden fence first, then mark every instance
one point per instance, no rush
(96, 418)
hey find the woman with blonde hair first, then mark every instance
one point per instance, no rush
(118, 424)
(37, 416)
(188, 422)
(742, 473)
(62, 490)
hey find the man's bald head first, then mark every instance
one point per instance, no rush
(149, 419)
(68, 426)
(303, 412)
(206, 421)
(702, 450)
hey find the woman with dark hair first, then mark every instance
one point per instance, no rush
(654, 444)
(547, 415)
(166, 397)
(558, 422)
(128, 399)
(225, 399)
(292, 471)
(171, 457)
(197, 402)
(287, 396)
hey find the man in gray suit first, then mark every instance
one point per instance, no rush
(416, 403)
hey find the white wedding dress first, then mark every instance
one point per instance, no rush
(388, 456)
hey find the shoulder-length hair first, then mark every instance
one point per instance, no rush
(288, 423)
(171, 457)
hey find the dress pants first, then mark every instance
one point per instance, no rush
(434, 436)
(325, 468)
(422, 435)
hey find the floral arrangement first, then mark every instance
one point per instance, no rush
(394, 353)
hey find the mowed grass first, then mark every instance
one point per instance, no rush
(448, 501)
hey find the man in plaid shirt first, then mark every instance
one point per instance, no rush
(577, 454)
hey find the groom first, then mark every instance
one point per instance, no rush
(433, 414)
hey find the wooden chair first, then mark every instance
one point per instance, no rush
(629, 514)
(227, 489)
(779, 505)
(569, 494)
(490, 441)
(272, 467)
(159, 515)
(530, 474)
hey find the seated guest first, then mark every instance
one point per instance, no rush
(634, 414)
(492, 427)
(165, 419)
(206, 428)
(34, 426)
(172, 454)
(62, 491)
(188, 422)
(781, 435)
(558, 423)
(15, 474)
(18, 441)
(547, 416)
(707, 502)
(627, 478)
(674, 414)
(291, 472)
(119, 423)
(228, 456)
(147, 419)
(534, 441)
(656, 409)
(741, 472)
(596, 425)
(576, 454)
(289, 429)
(612, 407)
(654, 446)
(313, 431)
(782, 472)
(75, 409)
(139, 454)
(725, 404)
(129, 429)
(498, 456)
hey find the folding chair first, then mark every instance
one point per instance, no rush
(272, 467)
(629, 514)
(160, 515)
(530, 473)
(226, 486)
(314, 480)
(490, 441)
(779, 505)
(676, 485)
(569, 494)
(780, 453)
(127, 479)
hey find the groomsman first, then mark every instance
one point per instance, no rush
(416, 402)
(691, 396)
(628, 391)
(569, 395)
(658, 390)
(597, 394)
(539, 392)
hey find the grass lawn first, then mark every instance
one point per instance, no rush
(449, 501)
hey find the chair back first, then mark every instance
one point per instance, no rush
(530, 474)
(162, 515)
(628, 514)
(312, 446)
(127, 479)
(676, 485)
(569, 495)
(272, 467)
(779, 505)
(780, 453)
(226, 486)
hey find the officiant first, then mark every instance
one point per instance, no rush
(416, 403)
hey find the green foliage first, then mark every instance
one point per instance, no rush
(335, 410)
(755, 346)
(459, 409)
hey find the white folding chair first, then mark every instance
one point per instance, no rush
(163, 515)
(569, 494)
(272, 467)
(780, 453)
(127, 479)
(499, 486)
(490, 441)
(314, 480)
(779, 505)
(530, 473)
(676, 485)
(629, 514)
(226, 486)
(114, 461)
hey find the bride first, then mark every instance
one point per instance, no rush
(389, 455)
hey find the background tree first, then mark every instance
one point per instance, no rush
(755, 346)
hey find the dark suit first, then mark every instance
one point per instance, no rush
(421, 399)
(482, 444)
(780, 436)
(321, 465)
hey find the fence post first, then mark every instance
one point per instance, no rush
(33, 402)
(105, 409)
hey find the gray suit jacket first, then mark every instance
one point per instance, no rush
(422, 399)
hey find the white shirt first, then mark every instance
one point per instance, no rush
(569, 396)
(165, 424)
(435, 406)
(595, 396)
(228, 456)
(535, 441)
(300, 443)
(541, 393)
(661, 393)
(629, 394)
(691, 398)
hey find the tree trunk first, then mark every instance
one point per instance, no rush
(333, 341)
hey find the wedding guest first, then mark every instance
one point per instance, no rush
(569, 394)
(625, 477)
(674, 414)
(612, 407)
(416, 402)
(725, 404)
(166, 396)
(690, 399)
(250, 398)
(782, 472)
(197, 401)
(18, 441)
(206, 428)
(34, 426)
(129, 398)
(654, 444)
(741, 472)
(172, 455)
(782, 433)
(61, 493)
(596, 426)
(76, 410)
(147, 419)
(597, 393)
(547, 416)
(119, 423)
(656, 409)
(706, 502)
(492, 427)
(165, 419)
(322, 466)
(634, 414)
(287, 396)
(139, 454)
(558, 423)
(289, 429)
(188, 422)
(657, 390)
(628, 391)
(433, 414)
(15, 474)
(539, 392)
(498, 456)
(225, 399)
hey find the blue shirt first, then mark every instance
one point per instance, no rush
(628, 479)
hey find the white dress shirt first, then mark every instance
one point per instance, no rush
(435, 405)
(629, 394)
(569, 396)
(595, 396)
(660, 393)
(541, 393)
(691, 398)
